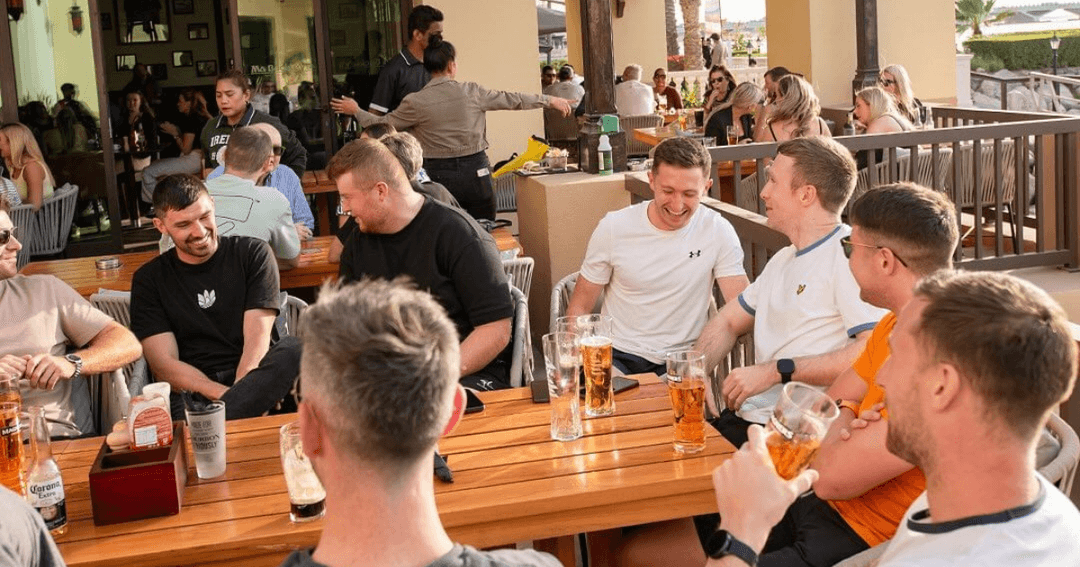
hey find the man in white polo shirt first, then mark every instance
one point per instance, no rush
(657, 262)
(804, 309)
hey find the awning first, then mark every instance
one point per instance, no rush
(550, 21)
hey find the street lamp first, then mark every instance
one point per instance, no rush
(1055, 43)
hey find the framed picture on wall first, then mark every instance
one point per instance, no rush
(125, 62)
(142, 21)
(206, 68)
(183, 6)
(106, 21)
(182, 59)
(198, 31)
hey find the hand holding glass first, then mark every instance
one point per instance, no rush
(562, 359)
(797, 426)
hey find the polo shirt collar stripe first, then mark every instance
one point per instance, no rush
(915, 522)
(408, 57)
(244, 120)
(819, 242)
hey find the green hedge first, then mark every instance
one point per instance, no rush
(1029, 50)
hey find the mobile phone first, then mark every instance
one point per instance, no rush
(618, 384)
(540, 394)
(472, 402)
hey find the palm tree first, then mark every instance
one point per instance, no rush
(975, 14)
(691, 33)
(671, 29)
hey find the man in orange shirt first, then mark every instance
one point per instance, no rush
(900, 234)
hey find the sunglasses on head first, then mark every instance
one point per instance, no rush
(278, 150)
(7, 234)
(849, 247)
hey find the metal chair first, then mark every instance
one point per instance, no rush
(505, 193)
(631, 123)
(52, 223)
(22, 216)
(521, 356)
(520, 272)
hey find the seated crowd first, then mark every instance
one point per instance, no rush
(942, 468)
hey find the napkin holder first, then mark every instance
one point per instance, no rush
(134, 485)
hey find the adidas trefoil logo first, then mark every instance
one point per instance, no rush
(207, 298)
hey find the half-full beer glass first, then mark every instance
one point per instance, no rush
(562, 360)
(594, 337)
(307, 497)
(797, 426)
(686, 385)
(11, 448)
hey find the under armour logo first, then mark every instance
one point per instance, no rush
(695, 254)
(207, 298)
(800, 290)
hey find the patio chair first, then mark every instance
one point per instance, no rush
(519, 271)
(560, 298)
(562, 132)
(288, 319)
(22, 216)
(880, 176)
(521, 360)
(52, 223)
(111, 393)
(505, 193)
(965, 190)
(631, 123)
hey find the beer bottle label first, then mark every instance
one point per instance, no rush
(48, 499)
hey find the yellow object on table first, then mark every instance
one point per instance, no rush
(534, 152)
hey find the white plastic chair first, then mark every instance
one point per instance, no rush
(505, 193)
(521, 360)
(520, 272)
(22, 216)
(52, 223)
(631, 123)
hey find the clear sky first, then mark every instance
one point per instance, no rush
(743, 10)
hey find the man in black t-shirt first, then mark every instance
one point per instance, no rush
(401, 232)
(205, 309)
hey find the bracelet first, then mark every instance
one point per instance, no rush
(854, 407)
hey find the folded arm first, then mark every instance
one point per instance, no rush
(163, 356)
(113, 347)
(849, 468)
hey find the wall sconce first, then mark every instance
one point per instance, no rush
(620, 5)
(15, 9)
(76, 18)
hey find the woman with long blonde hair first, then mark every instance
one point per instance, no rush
(796, 112)
(894, 79)
(24, 161)
(875, 113)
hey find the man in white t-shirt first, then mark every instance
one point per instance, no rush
(633, 97)
(808, 321)
(656, 262)
(979, 360)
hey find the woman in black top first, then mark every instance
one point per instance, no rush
(193, 116)
(746, 101)
(718, 93)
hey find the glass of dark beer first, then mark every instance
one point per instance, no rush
(307, 498)
(797, 426)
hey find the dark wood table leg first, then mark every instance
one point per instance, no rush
(561, 547)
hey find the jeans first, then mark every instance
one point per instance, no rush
(633, 364)
(191, 163)
(468, 179)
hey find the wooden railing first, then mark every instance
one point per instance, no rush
(1013, 175)
(1003, 85)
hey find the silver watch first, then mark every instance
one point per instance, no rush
(77, 361)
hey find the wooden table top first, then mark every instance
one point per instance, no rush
(82, 273)
(512, 483)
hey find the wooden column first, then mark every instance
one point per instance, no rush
(866, 42)
(599, 62)
(7, 69)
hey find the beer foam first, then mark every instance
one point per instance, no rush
(596, 341)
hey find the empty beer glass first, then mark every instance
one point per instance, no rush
(797, 426)
(562, 359)
(686, 385)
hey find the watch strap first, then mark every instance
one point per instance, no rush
(722, 543)
(785, 367)
(78, 362)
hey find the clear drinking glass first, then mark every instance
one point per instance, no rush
(206, 426)
(594, 338)
(307, 498)
(797, 426)
(562, 359)
(732, 135)
(686, 385)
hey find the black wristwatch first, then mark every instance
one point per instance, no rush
(786, 367)
(722, 544)
(77, 361)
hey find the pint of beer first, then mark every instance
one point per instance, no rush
(11, 448)
(599, 391)
(686, 385)
(799, 423)
(9, 389)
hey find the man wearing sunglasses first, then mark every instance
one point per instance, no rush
(245, 209)
(51, 337)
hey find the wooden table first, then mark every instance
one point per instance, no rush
(318, 183)
(82, 274)
(512, 483)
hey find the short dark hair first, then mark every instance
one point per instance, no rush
(918, 223)
(247, 150)
(777, 73)
(566, 73)
(381, 377)
(438, 55)
(236, 77)
(177, 192)
(421, 18)
(683, 153)
(67, 87)
(825, 164)
(377, 130)
(714, 36)
(546, 68)
(1008, 340)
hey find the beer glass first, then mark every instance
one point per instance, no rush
(307, 498)
(9, 389)
(562, 360)
(11, 448)
(797, 426)
(207, 427)
(732, 135)
(594, 338)
(686, 385)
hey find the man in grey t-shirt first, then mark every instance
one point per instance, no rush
(379, 388)
(24, 541)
